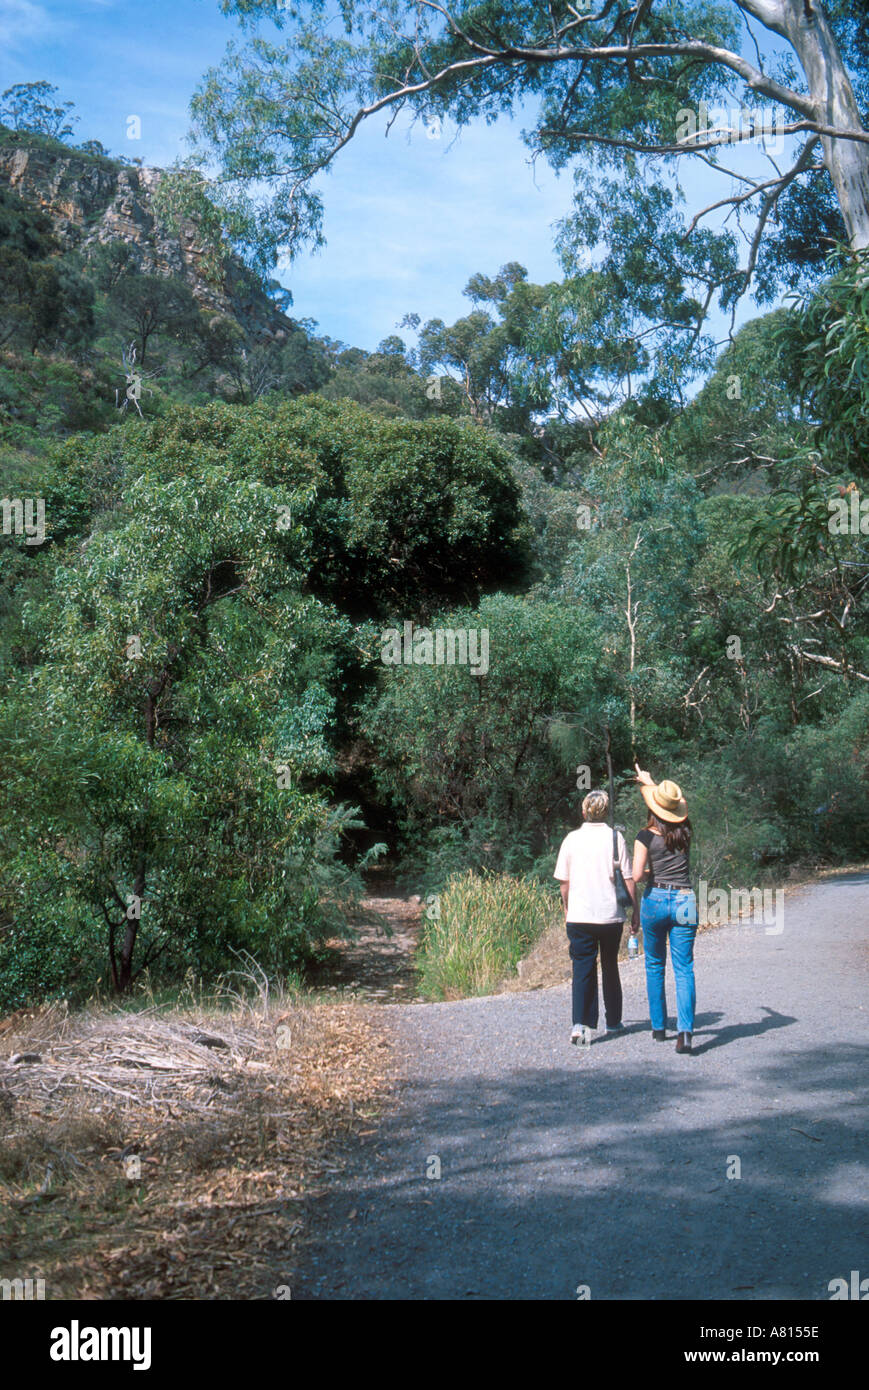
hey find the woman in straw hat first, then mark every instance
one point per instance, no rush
(669, 908)
(592, 915)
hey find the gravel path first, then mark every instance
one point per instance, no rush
(607, 1166)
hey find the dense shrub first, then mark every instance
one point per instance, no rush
(477, 765)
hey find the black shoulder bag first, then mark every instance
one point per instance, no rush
(623, 897)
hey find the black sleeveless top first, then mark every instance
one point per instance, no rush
(665, 866)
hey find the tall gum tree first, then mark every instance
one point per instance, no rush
(609, 79)
(834, 105)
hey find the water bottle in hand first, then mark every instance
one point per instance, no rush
(633, 947)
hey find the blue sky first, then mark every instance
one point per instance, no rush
(408, 218)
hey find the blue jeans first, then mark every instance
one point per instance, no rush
(668, 912)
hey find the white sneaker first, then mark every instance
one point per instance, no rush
(581, 1035)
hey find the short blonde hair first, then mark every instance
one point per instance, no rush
(595, 806)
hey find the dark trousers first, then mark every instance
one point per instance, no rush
(585, 938)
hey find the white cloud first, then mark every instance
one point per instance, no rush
(21, 22)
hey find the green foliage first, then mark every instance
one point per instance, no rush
(24, 229)
(152, 304)
(166, 750)
(797, 543)
(826, 348)
(181, 689)
(68, 318)
(263, 113)
(292, 363)
(740, 428)
(779, 795)
(224, 216)
(635, 319)
(47, 397)
(484, 361)
(470, 760)
(795, 250)
(645, 532)
(410, 512)
(787, 538)
(385, 383)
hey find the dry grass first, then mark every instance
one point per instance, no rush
(547, 963)
(173, 1156)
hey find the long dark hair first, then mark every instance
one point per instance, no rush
(677, 838)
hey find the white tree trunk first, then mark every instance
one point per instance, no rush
(805, 25)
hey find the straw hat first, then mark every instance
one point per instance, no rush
(666, 800)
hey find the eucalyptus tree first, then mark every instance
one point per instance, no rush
(485, 356)
(33, 107)
(617, 84)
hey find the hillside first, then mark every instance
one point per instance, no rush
(94, 200)
(97, 280)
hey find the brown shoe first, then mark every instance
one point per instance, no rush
(683, 1042)
(659, 1034)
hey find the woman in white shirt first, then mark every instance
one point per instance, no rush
(592, 915)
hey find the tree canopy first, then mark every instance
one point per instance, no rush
(626, 86)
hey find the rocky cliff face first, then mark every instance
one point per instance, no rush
(90, 199)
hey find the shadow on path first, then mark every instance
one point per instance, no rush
(551, 1178)
(733, 1031)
